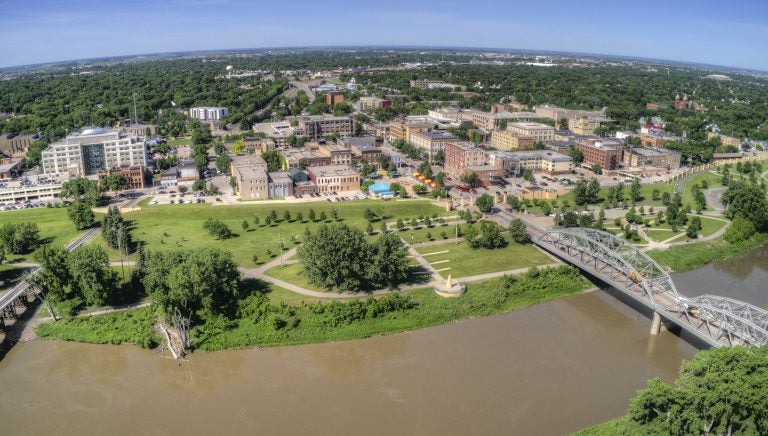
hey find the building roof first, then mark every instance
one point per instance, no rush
(251, 172)
(248, 160)
(436, 134)
(280, 177)
(332, 170)
(542, 154)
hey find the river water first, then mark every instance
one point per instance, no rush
(548, 369)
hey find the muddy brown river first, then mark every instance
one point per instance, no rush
(549, 369)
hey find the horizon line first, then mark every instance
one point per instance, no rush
(401, 47)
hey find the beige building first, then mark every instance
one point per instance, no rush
(315, 127)
(725, 140)
(509, 140)
(93, 150)
(431, 142)
(583, 125)
(539, 132)
(338, 154)
(652, 157)
(493, 120)
(258, 145)
(279, 132)
(252, 182)
(334, 178)
(403, 130)
(542, 160)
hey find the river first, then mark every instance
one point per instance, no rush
(552, 368)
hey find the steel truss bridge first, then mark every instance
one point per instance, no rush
(718, 321)
(15, 300)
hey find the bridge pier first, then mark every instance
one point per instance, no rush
(657, 325)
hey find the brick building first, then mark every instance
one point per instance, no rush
(608, 156)
(459, 156)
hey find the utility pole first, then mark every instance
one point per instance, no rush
(135, 112)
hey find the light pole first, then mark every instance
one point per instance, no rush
(280, 241)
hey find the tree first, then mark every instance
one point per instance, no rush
(299, 217)
(201, 282)
(217, 229)
(82, 189)
(719, 391)
(114, 230)
(369, 215)
(634, 191)
(655, 195)
(369, 228)
(223, 163)
(238, 147)
(748, 201)
(91, 275)
(323, 217)
(694, 227)
(53, 277)
(596, 168)
(114, 183)
(244, 225)
(400, 224)
(233, 183)
(256, 221)
(739, 230)
(528, 175)
(576, 155)
(389, 265)
(468, 177)
(619, 193)
(665, 198)
(419, 189)
(312, 215)
(334, 214)
(274, 162)
(484, 203)
(593, 189)
(383, 227)
(513, 202)
(287, 216)
(81, 215)
(19, 238)
(518, 231)
(569, 219)
(336, 256)
(580, 193)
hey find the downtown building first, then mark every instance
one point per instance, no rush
(206, 113)
(92, 151)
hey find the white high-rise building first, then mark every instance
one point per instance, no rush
(93, 150)
(208, 113)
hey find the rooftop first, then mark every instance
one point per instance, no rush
(331, 170)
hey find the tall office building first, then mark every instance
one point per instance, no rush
(93, 150)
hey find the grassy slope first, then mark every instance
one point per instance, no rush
(481, 299)
(54, 224)
(690, 256)
(485, 298)
(131, 327)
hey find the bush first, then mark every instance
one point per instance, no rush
(740, 229)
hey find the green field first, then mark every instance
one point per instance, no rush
(54, 224)
(659, 235)
(465, 261)
(713, 181)
(178, 142)
(646, 191)
(169, 227)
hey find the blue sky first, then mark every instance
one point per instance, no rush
(724, 32)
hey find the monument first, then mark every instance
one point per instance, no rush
(449, 289)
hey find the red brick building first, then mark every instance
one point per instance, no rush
(461, 155)
(609, 157)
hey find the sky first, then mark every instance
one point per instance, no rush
(724, 32)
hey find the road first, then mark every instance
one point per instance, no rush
(304, 87)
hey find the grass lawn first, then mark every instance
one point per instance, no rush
(713, 181)
(659, 235)
(54, 224)
(710, 225)
(180, 141)
(646, 192)
(169, 227)
(465, 261)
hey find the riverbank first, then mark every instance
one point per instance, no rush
(264, 322)
(687, 257)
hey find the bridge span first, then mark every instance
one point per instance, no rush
(718, 321)
(15, 300)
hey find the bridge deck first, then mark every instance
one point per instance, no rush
(632, 272)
